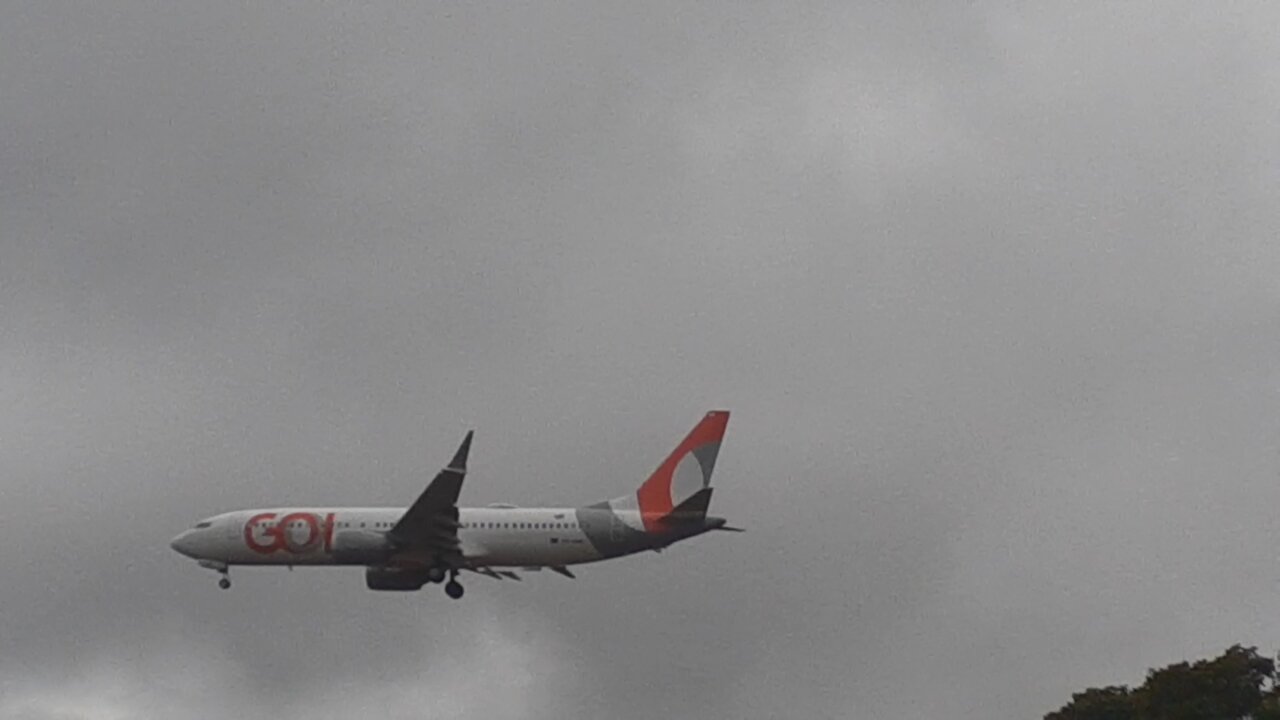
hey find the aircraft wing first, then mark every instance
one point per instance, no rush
(430, 526)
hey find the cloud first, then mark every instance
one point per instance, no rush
(496, 668)
(989, 290)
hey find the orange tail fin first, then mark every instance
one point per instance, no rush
(685, 472)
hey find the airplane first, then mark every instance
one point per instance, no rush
(434, 539)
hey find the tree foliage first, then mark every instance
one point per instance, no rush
(1240, 684)
(1109, 703)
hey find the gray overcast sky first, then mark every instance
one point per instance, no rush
(991, 290)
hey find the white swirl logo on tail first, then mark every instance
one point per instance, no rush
(687, 479)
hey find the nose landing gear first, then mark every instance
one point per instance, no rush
(222, 568)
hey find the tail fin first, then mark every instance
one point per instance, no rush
(682, 483)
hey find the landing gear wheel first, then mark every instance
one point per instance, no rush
(453, 589)
(224, 583)
(435, 574)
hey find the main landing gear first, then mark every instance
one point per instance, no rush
(437, 574)
(453, 588)
(225, 583)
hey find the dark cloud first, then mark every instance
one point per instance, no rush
(989, 290)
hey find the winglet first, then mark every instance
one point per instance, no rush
(459, 463)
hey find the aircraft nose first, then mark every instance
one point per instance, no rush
(184, 544)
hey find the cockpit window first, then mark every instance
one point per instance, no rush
(204, 524)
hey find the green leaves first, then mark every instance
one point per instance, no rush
(1108, 703)
(1240, 684)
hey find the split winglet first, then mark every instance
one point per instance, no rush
(459, 463)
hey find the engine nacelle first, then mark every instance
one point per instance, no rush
(360, 547)
(381, 578)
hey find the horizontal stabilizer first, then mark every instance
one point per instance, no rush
(695, 508)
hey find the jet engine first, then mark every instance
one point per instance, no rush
(382, 578)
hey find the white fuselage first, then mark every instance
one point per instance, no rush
(491, 537)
